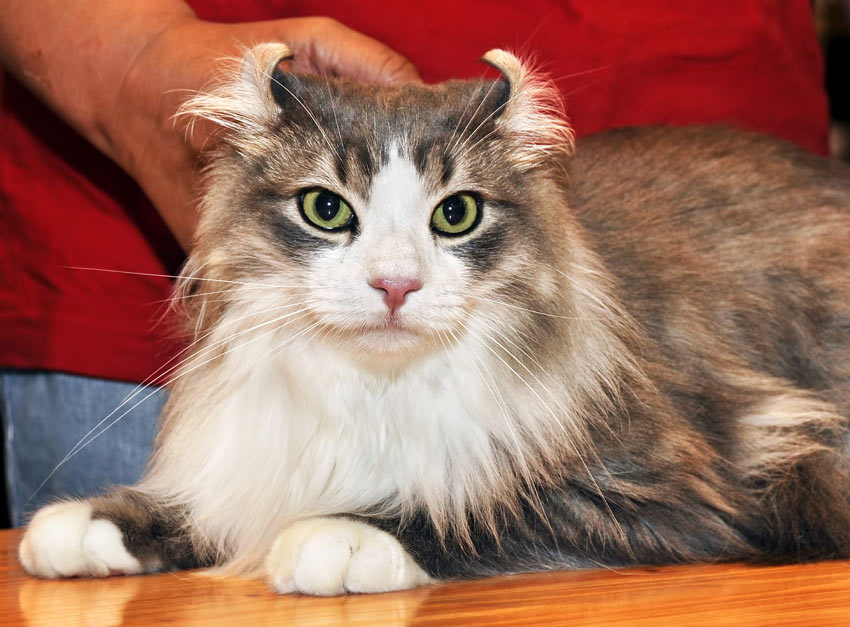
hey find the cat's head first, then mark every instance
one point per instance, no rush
(391, 218)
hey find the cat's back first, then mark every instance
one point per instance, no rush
(724, 241)
(670, 155)
(712, 196)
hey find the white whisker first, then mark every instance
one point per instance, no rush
(80, 445)
(178, 297)
(333, 110)
(491, 323)
(567, 434)
(481, 369)
(526, 309)
(309, 112)
(86, 439)
(193, 278)
(453, 136)
(489, 117)
(472, 117)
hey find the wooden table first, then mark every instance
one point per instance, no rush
(814, 594)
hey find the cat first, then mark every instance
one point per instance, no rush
(432, 343)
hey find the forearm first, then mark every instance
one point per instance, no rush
(80, 58)
(76, 56)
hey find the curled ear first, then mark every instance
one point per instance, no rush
(249, 92)
(530, 109)
(263, 73)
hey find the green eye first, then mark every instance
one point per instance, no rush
(456, 215)
(325, 210)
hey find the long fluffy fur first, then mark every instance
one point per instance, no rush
(447, 457)
(613, 368)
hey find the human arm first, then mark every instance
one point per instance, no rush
(118, 71)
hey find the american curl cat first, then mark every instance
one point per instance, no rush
(431, 344)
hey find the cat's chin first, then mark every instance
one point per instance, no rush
(392, 341)
(390, 337)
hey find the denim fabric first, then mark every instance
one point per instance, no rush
(44, 416)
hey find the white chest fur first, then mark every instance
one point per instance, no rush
(310, 433)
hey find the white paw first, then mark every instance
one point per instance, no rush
(63, 541)
(327, 556)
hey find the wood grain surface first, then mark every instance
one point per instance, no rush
(812, 594)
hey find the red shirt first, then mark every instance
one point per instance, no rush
(62, 204)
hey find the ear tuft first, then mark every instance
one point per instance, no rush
(262, 72)
(509, 66)
(243, 99)
(532, 110)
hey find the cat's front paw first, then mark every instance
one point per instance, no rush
(62, 540)
(328, 556)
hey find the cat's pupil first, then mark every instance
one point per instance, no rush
(454, 209)
(327, 206)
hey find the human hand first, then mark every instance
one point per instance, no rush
(162, 155)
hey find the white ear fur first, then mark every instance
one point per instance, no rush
(241, 99)
(534, 112)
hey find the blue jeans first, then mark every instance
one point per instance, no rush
(44, 417)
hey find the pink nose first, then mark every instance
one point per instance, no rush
(395, 290)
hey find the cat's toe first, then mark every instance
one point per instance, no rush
(53, 543)
(381, 564)
(329, 556)
(62, 540)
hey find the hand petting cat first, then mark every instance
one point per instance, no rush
(118, 72)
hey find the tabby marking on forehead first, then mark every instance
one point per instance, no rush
(355, 165)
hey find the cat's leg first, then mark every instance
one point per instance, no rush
(124, 532)
(329, 556)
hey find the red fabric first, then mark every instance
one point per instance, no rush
(754, 64)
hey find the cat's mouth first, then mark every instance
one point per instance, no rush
(391, 335)
(391, 325)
